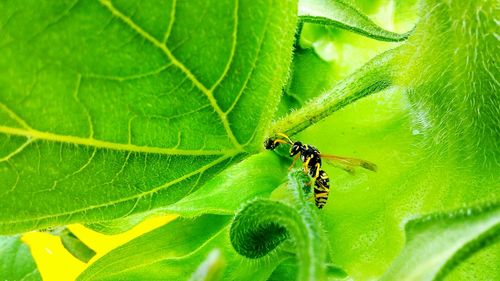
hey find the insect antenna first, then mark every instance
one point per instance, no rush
(285, 137)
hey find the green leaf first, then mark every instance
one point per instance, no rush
(432, 129)
(237, 182)
(75, 246)
(180, 245)
(174, 252)
(340, 14)
(406, 13)
(113, 108)
(287, 270)
(16, 262)
(435, 244)
(221, 195)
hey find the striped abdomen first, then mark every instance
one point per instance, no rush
(321, 189)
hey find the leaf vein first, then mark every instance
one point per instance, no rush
(85, 165)
(122, 168)
(232, 52)
(170, 23)
(129, 77)
(250, 73)
(13, 187)
(17, 151)
(14, 116)
(209, 94)
(122, 200)
(85, 109)
(107, 145)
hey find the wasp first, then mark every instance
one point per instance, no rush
(312, 161)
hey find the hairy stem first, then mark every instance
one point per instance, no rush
(373, 77)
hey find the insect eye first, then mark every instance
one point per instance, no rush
(269, 144)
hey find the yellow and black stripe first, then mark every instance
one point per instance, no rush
(321, 189)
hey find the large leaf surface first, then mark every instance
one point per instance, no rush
(113, 108)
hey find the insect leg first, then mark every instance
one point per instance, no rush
(293, 162)
(306, 163)
(318, 166)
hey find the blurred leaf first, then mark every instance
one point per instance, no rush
(373, 77)
(437, 243)
(211, 269)
(369, 7)
(454, 100)
(16, 262)
(340, 14)
(311, 76)
(287, 270)
(406, 13)
(108, 109)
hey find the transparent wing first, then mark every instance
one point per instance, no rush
(348, 164)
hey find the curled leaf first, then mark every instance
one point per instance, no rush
(260, 227)
(263, 225)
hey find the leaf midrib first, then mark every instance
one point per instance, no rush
(38, 135)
